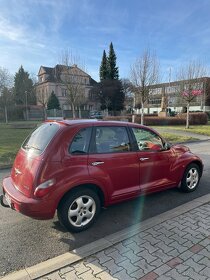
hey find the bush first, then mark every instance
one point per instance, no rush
(164, 121)
(194, 119)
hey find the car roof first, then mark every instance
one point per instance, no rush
(97, 122)
(90, 121)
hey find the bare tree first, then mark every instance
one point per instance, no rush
(191, 85)
(5, 90)
(5, 79)
(144, 73)
(127, 86)
(6, 99)
(42, 100)
(72, 79)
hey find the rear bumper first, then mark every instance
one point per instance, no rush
(41, 209)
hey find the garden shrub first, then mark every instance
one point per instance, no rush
(180, 119)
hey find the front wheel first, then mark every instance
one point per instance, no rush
(191, 178)
(79, 210)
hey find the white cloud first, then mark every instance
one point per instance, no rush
(9, 31)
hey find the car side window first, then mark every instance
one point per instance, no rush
(147, 140)
(81, 141)
(111, 139)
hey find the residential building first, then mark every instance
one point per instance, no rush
(172, 92)
(58, 79)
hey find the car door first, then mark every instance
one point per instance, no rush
(113, 164)
(155, 161)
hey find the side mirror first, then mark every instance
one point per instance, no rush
(166, 146)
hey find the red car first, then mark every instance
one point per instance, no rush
(76, 167)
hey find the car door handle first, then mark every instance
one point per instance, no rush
(144, 158)
(95, 163)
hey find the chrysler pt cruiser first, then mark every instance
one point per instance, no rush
(74, 167)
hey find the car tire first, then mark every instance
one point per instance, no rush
(79, 210)
(191, 178)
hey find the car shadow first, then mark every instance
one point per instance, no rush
(123, 215)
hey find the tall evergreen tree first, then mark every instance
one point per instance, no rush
(53, 102)
(113, 71)
(110, 90)
(23, 88)
(104, 67)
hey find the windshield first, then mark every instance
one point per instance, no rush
(40, 138)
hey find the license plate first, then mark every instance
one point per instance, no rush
(8, 199)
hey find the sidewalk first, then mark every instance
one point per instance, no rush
(173, 245)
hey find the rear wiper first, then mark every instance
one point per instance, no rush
(32, 147)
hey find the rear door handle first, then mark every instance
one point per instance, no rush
(144, 158)
(95, 163)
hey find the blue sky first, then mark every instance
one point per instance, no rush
(36, 32)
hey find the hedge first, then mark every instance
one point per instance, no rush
(194, 119)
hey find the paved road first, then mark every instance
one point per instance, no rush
(25, 242)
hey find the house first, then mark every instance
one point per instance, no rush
(58, 80)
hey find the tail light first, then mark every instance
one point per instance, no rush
(44, 188)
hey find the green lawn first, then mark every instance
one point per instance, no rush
(173, 138)
(11, 139)
(200, 129)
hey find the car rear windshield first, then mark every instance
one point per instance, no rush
(40, 138)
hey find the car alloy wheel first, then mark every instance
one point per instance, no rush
(79, 209)
(191, 178)
(82, 211)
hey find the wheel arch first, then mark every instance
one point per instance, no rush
(184, 167)
(90, 186)
(200, 165)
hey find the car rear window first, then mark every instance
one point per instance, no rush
(40, 138)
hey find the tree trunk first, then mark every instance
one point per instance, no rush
(73, 111)
(187, 119)
(45, 113)
(142, 113)
(80, 113)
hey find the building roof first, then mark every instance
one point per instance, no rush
(178, 82)
(53, 74)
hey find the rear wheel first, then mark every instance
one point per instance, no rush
(191, 178)
(79, 210)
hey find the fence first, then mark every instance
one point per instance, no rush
(19, 113)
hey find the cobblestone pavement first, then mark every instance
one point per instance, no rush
(178, 248)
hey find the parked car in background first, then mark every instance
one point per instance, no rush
(78, 166)
(96, 115)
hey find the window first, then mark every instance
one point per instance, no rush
(155, 91)
(147, 140)
(64, 92)
(40, 138)
(80, 143)
(172, 89)
(156, 101)
(112, 140)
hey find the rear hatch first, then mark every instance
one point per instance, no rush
(29, 158)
